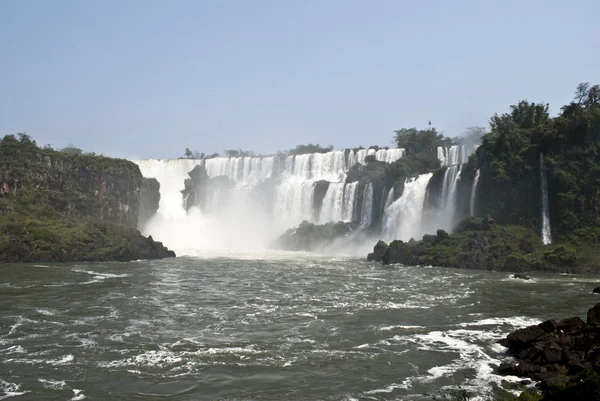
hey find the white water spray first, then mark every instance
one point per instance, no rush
(403, 217)
(474, 194)
(546, 230)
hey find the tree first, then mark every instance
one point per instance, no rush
(72, 150)
(188, 153)
(310, 148)
(417, 141)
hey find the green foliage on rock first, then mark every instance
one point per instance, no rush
(310, 148)
(481, 244)
(311, 237)
(68, 206)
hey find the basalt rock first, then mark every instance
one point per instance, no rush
(378, 251)
(559, 355)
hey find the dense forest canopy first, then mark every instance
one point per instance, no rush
(509, 161)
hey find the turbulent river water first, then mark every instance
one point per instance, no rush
(263, 327)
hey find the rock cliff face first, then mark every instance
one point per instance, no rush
(56, 206)
(94, 186)
(149, 200)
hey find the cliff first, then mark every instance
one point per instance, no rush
(56, 206)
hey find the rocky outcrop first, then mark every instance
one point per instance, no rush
(58, 206)
(557, 354)
(312, 237)
(149, 200)
(379, 251)
(480, 243)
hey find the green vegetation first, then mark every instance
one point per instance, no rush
(61, 206)
(311, 237)
(310, 148)
(479, 243)
(509, 162)
(416, 141)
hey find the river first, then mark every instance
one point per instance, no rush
(276, 326)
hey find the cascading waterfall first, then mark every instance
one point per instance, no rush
(279, 190)
(403, 217)
(349, 201)
(333, 203)
(388, 201)
(455, 154)
(367, 207)
(474, 194)
(546, 230)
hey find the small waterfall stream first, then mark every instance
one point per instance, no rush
(546, 229)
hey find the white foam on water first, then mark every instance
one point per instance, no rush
(8, 390)
(470, 355)
(386, 390)
(53, 384)
(15, 349)
(45, 312)
(65, 360)
(515, 322)
(78, 395)
(389, 328)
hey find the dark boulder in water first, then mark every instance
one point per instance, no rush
(378, 251)
(521, 276)
(563, 356)
(399, 252)
(596, 290)
(312, 237)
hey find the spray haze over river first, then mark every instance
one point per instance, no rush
(230, 319)
(262, 326)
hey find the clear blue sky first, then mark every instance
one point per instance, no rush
(150, 78)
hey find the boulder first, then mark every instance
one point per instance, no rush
(596, 290)
(523, 338)
(398, 252)
(549, 326)
(521, 276)
(593, 315)
(378, 251)
(570, 324)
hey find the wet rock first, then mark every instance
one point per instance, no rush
(571, 324)
(378, 251)
(549, 326)
(593, 315)
(521, 276)
(596, 290)
(558, 355)
(552, 353)
(524, 337)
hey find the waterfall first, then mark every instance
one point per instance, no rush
(349, 201)
(474, 193)
(367, 207)
(455, 154)
(403, 217)
(441, 154)
(388, 201)
(390, 155)
(448, 185)
(254, 199)
(546, 230)
(333, 203)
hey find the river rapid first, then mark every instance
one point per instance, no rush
(276, 326)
